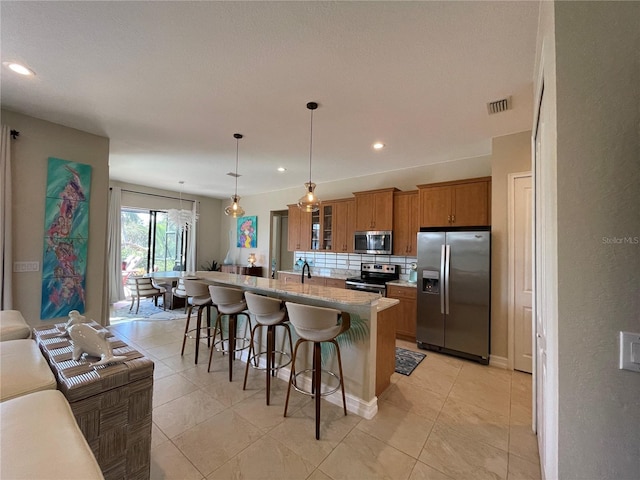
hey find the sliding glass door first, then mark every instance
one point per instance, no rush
(150, 242)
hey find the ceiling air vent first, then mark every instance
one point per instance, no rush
(499, 105)
(231, 174)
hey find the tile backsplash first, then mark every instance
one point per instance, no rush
(351, 261)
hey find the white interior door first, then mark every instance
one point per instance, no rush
(545, 341)
(520, 268)
(538, 342)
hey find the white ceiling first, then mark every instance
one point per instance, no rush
(171, 82)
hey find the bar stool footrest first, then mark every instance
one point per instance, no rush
(254, 363)
(202, 337)
(311, 394)
(243, 340)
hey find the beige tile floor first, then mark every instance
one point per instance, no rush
(450, 419)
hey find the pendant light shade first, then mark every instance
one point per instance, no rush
(181, 218)
(309, 202)
(235, 210)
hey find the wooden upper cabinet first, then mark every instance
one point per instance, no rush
(435, 206)
(343, 225)
(461, 203)
(299, 235)
(327, 226)
(374, 209)
(471, 204)
(405, 223)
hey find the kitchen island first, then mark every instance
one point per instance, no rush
(361, 359)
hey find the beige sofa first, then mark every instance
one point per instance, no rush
(39, 436)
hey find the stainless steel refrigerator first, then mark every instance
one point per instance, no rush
(454, 291)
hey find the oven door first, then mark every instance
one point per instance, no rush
(366, 287)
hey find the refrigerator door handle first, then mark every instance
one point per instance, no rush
(442, 277)
(447, 267)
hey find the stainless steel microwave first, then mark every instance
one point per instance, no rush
(379, 242)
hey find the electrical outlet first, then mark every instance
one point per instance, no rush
(630, 351)
(20, 267)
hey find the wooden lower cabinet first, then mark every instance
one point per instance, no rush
(242, 270)
(334, 282)
(314, 280)
(289, 277)
(320, 281)
(406, 312)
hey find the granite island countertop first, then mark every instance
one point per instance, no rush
(384, 303)
(338, 296)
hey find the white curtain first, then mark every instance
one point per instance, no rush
(114, 257)
(191, 247)
(6, 253)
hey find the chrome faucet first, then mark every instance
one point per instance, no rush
(306, 265)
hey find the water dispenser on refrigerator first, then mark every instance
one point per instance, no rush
(431, 281)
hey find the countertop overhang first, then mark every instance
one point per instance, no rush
(338, 296)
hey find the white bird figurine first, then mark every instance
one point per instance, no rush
(87, 339)
(74, 319)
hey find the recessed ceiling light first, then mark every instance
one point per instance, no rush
(21, 69)
(282, 169)
(378, 146)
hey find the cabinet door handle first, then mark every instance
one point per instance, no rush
(453, 219)
(449, 218)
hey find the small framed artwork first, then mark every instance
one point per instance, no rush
(247, 234)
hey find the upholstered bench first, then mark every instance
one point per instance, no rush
(13, 326)
(24, 369)
(39, 438)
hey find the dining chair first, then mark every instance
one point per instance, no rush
(180, 292)
(143, 287)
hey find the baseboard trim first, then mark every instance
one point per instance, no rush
(499, 362)
(355, 405)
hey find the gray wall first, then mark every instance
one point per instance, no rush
(598, 177)
(38, 141)
(509, 154)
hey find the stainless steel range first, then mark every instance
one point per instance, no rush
(373, 278)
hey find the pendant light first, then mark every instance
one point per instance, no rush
(181, 218)
(309, 202)
(235, 210)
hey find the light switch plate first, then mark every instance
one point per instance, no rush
(630, 351)
(19, 267)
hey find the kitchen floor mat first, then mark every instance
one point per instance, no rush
(407, 361)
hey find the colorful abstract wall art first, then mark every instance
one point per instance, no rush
(66, 236)
(247, 232)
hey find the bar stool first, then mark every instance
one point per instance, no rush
(317, 325)
(198, 296)
(268, 312)
(229, 302)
